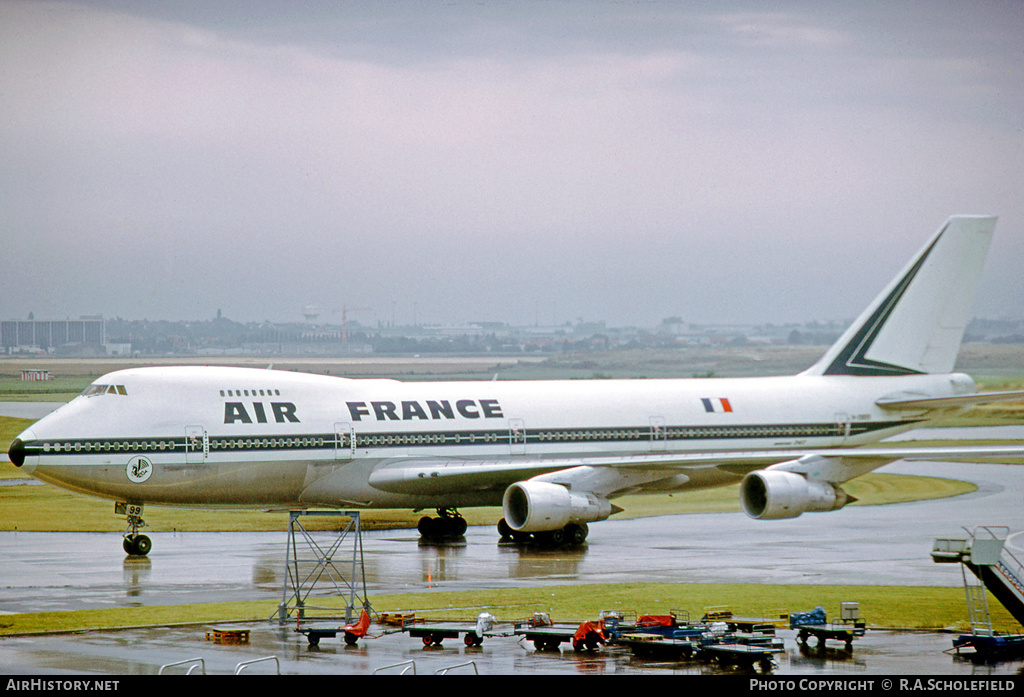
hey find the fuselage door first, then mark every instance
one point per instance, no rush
(843, 425)
(658, 433)
(197, 444)
(517, 436)
(344, 441)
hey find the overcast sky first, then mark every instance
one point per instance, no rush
(525, 162)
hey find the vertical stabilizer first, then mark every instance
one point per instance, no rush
(917, 323)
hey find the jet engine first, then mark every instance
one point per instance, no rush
(777, 494)
(535, 506)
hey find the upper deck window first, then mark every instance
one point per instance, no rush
(250, 393)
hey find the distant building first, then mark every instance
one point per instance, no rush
(18, 336)
(35, 374)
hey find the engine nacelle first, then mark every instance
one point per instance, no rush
(775, 494)
(533, 506)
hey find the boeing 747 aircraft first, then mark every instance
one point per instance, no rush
(554, 454)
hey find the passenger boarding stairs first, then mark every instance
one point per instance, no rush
(984, 554)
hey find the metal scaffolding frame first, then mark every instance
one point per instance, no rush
(303, 573)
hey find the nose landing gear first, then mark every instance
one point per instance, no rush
(135, 544)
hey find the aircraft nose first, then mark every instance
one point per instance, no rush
(17, 452)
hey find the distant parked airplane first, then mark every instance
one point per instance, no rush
(553, 454)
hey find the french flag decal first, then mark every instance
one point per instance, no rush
(718, 405)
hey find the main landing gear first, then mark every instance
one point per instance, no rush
(571, 535)
(446, 525)
(135, 544)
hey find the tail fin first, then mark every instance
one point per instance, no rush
(917, 323)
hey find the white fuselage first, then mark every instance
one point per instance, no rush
(237, 437)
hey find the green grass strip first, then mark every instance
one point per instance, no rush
(29, 507)
(913, 607)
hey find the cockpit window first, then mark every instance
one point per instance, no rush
(94, 390)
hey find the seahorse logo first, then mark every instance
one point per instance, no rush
(139, 469)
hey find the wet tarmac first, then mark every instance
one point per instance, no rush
(59, 571)
(870, 545)
(856, 545)
(146, 651)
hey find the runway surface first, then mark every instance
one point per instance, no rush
(145, 651)
(878, 545)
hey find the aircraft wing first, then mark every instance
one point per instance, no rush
(618, 475)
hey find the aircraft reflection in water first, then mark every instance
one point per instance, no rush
(553, 454)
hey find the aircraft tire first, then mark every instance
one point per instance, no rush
(137, 545)
(576, 533)
(458, 526)
(437, 528)
(426, 526)
(551, 538)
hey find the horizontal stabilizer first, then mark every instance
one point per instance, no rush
(965, 400)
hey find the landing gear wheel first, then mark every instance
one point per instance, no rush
(572, 535)
(134, 544)
(426, 526)
(137, 545)
(575, 533)
(459, 526)
(550, 538)
(448, 523)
